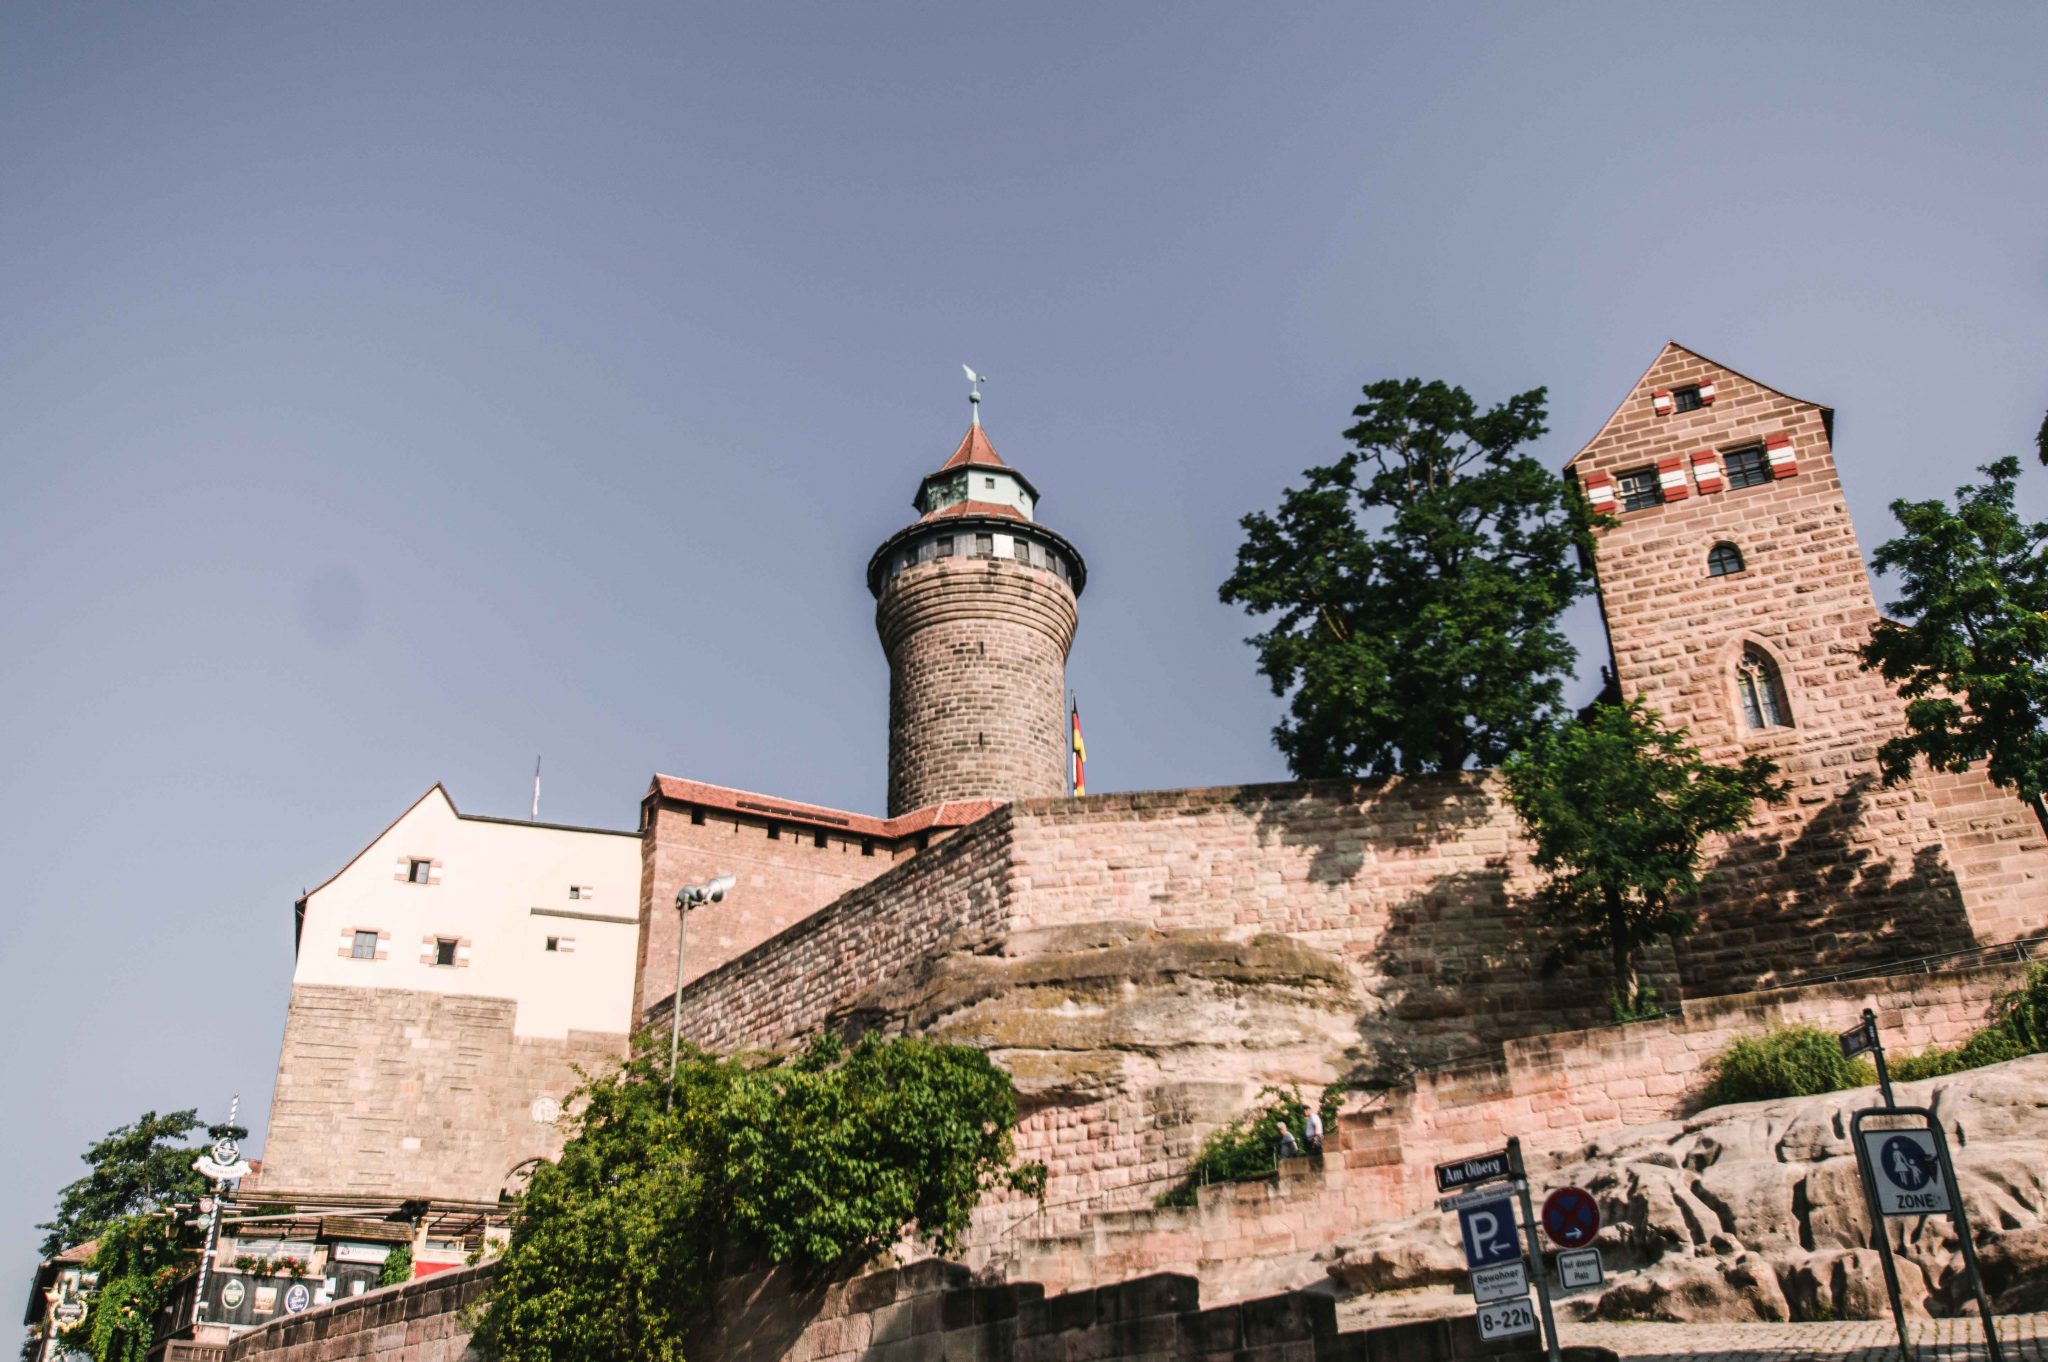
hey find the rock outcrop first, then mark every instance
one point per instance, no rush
(1755, 1212)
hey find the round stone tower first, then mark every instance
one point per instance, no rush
(975, 603)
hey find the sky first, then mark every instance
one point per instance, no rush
(392, 394)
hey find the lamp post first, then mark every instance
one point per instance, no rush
(688, 897)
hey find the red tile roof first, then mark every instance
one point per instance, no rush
(955, 814)
(959, 508)
(974, 449)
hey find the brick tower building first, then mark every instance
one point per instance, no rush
(1736, 601)
(975, 603)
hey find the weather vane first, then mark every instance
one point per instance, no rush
(974, 382)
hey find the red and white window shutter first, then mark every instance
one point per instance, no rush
(1706, 471)
(1778, 449)
(1600, 492)
(1660, 403)
(1671, 478)
(1707, 392)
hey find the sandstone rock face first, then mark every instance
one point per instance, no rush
(1755, 1212)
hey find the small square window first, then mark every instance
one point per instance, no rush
(1638, 489)
(575, 891)
(365, 946)
(989, 483)
(984, 546)
(775, 832)
(554, 943)
(867, 846)
(818, 839)
(1022, 549)
(418, 871)
(444, 951)
(1748, 467)
(696, 818)
(945, 549)
(1686, 399)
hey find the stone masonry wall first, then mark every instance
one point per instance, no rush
(782, 880)
(788, 986)
(1555, 1091)
(1847, 872)
(977, 652)
(420, 1321)
(414, 1094)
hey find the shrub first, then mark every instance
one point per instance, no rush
(1790, 1061)
(2023, 1014)
(1933, 1062)
(397, 1267)
(1249, 1148)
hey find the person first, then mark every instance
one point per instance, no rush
(1288, 1148)
(1312, 1130)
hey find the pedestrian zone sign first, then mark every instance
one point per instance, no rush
(1905, 1172)
(1488, 1230)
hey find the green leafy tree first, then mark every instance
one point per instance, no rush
(397, 1269)
(819, 1161)
(1414, 587)
(1618, 807)
(140, 1259)
(1969, 652)
(135, 1168)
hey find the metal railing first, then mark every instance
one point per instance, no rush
(2021, 952)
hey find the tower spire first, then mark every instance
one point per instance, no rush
(974, 382)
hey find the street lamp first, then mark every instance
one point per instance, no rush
(688, 897)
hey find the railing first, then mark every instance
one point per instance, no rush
(2019, 952)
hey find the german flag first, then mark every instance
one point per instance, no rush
(1080, 753)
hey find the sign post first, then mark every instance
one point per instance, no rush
(1862, 1038)
(1521, 1181)
(1907, 1171)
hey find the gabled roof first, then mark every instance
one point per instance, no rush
(1635, 388)
(954, 814)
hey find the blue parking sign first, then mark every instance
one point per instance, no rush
(1488, 1230)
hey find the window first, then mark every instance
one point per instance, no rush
(984, 546)
(989, 483)
(945, 549)
(1761, 691)
(1638, 489)
(818, 839)
(1724, 560)
(1747, 467)
(444, 951)
(1686, 399)
(554, 943)
(418, 871)
(1022, 549)
(775, 832)
(575, 891)
(365, 947)
(696, 818)
(867, 846)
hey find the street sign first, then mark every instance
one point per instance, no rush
(1571, 1217)
(1478, 1196)
(1465, 1172)
(298, 1298)
(1502, 1281)
(1905, 1173)
(1488, 1230)
(70, 1314)
(1509, 1319)
(1859, 1038)
(1579, 1269)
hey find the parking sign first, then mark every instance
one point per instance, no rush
(1488, 1230)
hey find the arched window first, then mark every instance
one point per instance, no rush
(1761, 691)
(1723, 560)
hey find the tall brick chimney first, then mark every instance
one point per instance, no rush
(975, 603)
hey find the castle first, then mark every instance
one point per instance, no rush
(1142, 962)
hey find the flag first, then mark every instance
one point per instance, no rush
(1080, 754)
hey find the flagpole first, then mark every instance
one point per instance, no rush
(534, 817)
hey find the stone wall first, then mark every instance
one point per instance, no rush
(977, 652)
(418, 1322)
(929, 1311)
(396, 1093)
(1847, 872)
(1556, 1092)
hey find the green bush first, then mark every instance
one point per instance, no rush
(397, 1267)
(1248, 1148)
(1790, 1061)
(1933, 1062)
(2019, 1027)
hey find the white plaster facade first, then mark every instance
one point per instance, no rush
(497, 890)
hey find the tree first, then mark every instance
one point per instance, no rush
(1618, 807)
(140, 1258)
(1414, 587)
(818, 1161)
(1969, 653)
(135, 1168)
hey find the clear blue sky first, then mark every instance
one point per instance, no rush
(391, 393)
